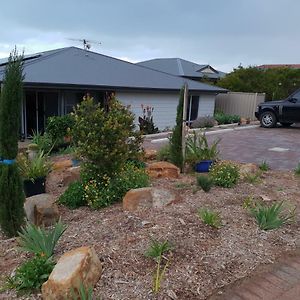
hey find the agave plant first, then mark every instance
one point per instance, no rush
(39, 240)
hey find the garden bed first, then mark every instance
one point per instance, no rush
(203, 259)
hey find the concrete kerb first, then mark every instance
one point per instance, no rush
(159, 140)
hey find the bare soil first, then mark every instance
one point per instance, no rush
(203, 260)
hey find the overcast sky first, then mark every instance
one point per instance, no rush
(222, 33)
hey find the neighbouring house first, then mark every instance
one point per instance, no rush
(55, 81)
(183, 68)
(276, 66)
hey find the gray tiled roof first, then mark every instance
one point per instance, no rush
(180, 67)
(72, 66)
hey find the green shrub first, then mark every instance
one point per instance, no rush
(197, 148)
(39, 240)
(43, 142)
(222, 118)
(31, 274)
(297, 170)
(31, 169)
(146, 122)
(253, 178)
(164, 154)
(73, 197)
(272, 217)
(106, 144)
(158, 248)
(264, 166)
(210, 218)
(104, 190)
(205, 182)
(225, 174)
(60, 126)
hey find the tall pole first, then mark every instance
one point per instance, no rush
(183, 135)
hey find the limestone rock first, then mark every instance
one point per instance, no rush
(248, 169)
(163, 169)
(70, 175)
(41, 210)
(148, 198)
(76, 267)
(150, 154)
(62, 164)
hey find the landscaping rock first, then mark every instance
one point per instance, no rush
(148, 198)
(150, 154)
(70, 175)
(41, 210)
(163, 169)
(62, 164)
(76, 267)
(248, 169)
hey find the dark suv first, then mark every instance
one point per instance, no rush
(286, 112)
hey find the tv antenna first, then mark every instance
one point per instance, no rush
(87, 44)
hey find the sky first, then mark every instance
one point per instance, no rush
(222, 33)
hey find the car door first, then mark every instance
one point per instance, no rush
(291, 109)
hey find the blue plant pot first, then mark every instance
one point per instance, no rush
(203, 166)
(75, 162)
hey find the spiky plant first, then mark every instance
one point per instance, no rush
(11, 187)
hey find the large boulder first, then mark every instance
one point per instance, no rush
(70, 175)
(248, 169)
(148, 198)
(80, 266)
(150, 154)
(41, 210)
(62, 164)
(163, 169)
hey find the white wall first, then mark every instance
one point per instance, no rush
(206, 105)
(165, 105)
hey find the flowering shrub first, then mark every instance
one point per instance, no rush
(146, 121)
(225, 174)
(105, 190)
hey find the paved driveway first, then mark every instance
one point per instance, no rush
(280, 147)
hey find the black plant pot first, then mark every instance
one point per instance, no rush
(36, 187)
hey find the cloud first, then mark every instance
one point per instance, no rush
(221, 33)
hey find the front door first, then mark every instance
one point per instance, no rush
(38, 107)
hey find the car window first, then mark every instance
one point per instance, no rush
(297, 96)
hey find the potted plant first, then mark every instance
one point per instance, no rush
(34, 172)
(199, 153)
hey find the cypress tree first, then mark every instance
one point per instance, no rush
(176, 138)
(11, 186)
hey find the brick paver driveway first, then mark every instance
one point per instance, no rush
(280, 147)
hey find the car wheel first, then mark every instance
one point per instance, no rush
(286, 124)
(268, 119)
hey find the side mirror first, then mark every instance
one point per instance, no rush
(293, 100)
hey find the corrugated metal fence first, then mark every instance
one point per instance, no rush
(242, 104)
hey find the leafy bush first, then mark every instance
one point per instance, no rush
(104, 190)
(158, 248)
(197, 148)
(31, 169)
(106, 145)
(146, 121)
(210, 218)
(205, 182)
(222, 118)
(60, 126)
(31, 274)
(40, 241)
(225, 174)
(203, 122)
(43, 141)
(164, 154)
(253, 178)
(73, 197)
(264, 166)
(272, 217)
(297, 170)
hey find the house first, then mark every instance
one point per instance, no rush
(55, 81)
(183, 68)
(276, 66)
